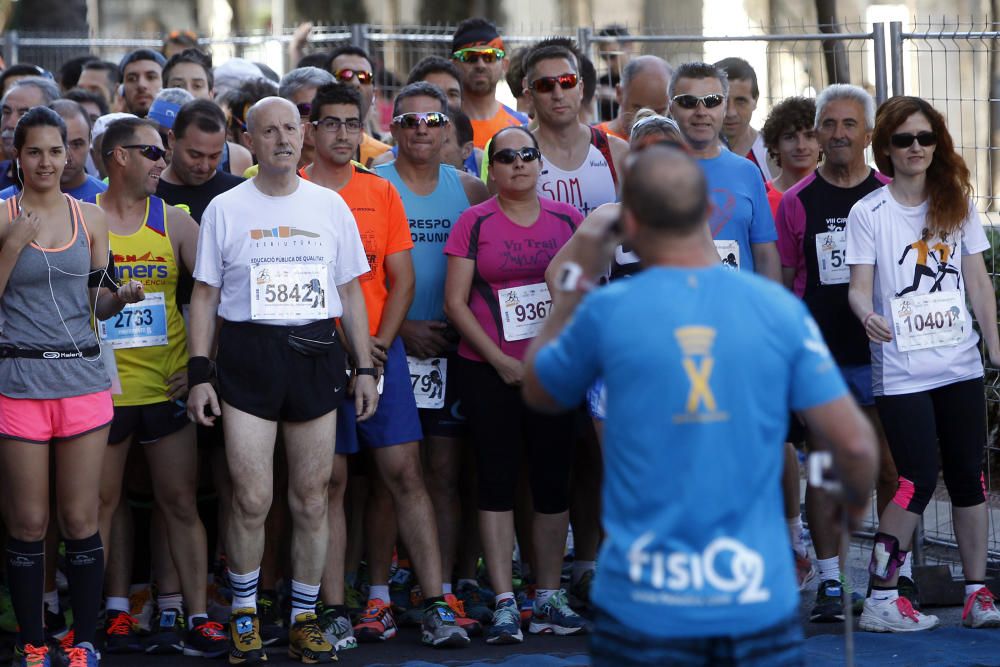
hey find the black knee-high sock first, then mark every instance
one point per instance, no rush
(85, 573)
(26, 581)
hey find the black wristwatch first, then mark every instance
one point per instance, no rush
(366, 371)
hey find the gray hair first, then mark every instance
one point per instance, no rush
(846, 91)
(177, 96)
(649, 122)
(68, 108)
(642, 64)
(698, 70)
(48, 88)
(420, 89)
(303, 77)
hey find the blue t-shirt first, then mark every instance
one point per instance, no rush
(85, 192)
(740, 210)
(431, 219)
(701, 367)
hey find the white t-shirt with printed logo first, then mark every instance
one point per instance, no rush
(881, 231)
(245, 228)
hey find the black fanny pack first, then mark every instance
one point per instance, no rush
(315, 339)
(11, 352)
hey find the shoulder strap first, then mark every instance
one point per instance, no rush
(78, 219)
(599, 139)
(12, 208)
(156, 215)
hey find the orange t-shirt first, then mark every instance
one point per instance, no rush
(483, 130)
(378, 212)
(606, 126)
(370, 149)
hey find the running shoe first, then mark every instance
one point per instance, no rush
(555, 616)
(908, 589)
(121, 633)
(894, 616)
(82, 655)
(55, 624)
(336, 626)
(829, 607)
(506, 627)
(476, 605)
(805, 571)
(439, 628)
(376, 623)
(168, 633)
(980, 610)
(244, 637)
(472, 627)
(272, 628)
(306, 642)
(206, 639)
(140, 604)
(32, 656)
(579, 593)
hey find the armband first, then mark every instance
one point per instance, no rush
(200, 370)
(102, 276)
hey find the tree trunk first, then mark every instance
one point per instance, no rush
(834, 51)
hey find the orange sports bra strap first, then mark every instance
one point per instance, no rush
(78, 218)
(12, 208)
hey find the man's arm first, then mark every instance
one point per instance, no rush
(201, 332)
(619, 150)
(766, 260)
(355, 323)
(184, 235)
(402, 284)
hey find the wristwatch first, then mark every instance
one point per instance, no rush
(366, 371)
(571, 279)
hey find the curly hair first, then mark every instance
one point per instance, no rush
(789, 115)
(948, 183)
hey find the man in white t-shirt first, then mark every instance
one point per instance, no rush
(278, 260)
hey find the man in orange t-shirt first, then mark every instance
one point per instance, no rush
(394, 432)
(479, 53)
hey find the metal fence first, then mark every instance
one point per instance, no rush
(948, 62)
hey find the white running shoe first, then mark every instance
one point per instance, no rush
(980, 610)
(894, 616)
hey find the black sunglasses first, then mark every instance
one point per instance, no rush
(710, 101)
(547, 84)
(905, 139)
(148, 151)
(508, 155)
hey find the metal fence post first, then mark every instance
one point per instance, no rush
(583, 41)
(878, 50)
(896, 53)
(359, 36)
(10, 48)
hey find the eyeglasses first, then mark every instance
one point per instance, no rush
(148, 151)
(305, 108)
(547, 84)
(411, 120)
(332, 124)
(709, 101)
(508, 155)
(345, 75)
(474, 54)
(906, 139)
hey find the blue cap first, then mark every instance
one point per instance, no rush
(163, 113)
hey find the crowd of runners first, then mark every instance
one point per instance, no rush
(268, 378)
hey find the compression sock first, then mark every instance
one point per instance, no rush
(26, 581)
(85, 572)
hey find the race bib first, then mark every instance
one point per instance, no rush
(831, 255)
(922, 321)
(429, 378)
(729, 253)
(523, 310)
(288, 292)
(142, 324)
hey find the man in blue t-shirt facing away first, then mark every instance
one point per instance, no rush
(702, 365)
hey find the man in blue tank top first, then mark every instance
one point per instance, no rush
(702, 365)
(433, 195)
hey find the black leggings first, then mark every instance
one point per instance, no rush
(950, 419)
(501, 426)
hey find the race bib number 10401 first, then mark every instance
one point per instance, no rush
(921, 321)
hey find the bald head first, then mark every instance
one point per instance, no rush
(274, 128)
(644, 86)
(652, 66)
(665, 191)
(269, 104)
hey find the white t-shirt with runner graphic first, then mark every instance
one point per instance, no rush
(279, 260)
(919, 289)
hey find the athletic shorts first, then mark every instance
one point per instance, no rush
(395, 422)
(42, 420)
(859, 381)
(260, 374)
(448, 421)
(148, 423)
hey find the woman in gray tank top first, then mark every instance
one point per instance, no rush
(54, 389)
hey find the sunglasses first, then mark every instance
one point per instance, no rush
(508, 155)
(709, 101)
(547, 84)
(474, 54)
(411, 120)
(345, 75)
(148, 151)
(332, 124)
(906, 139)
